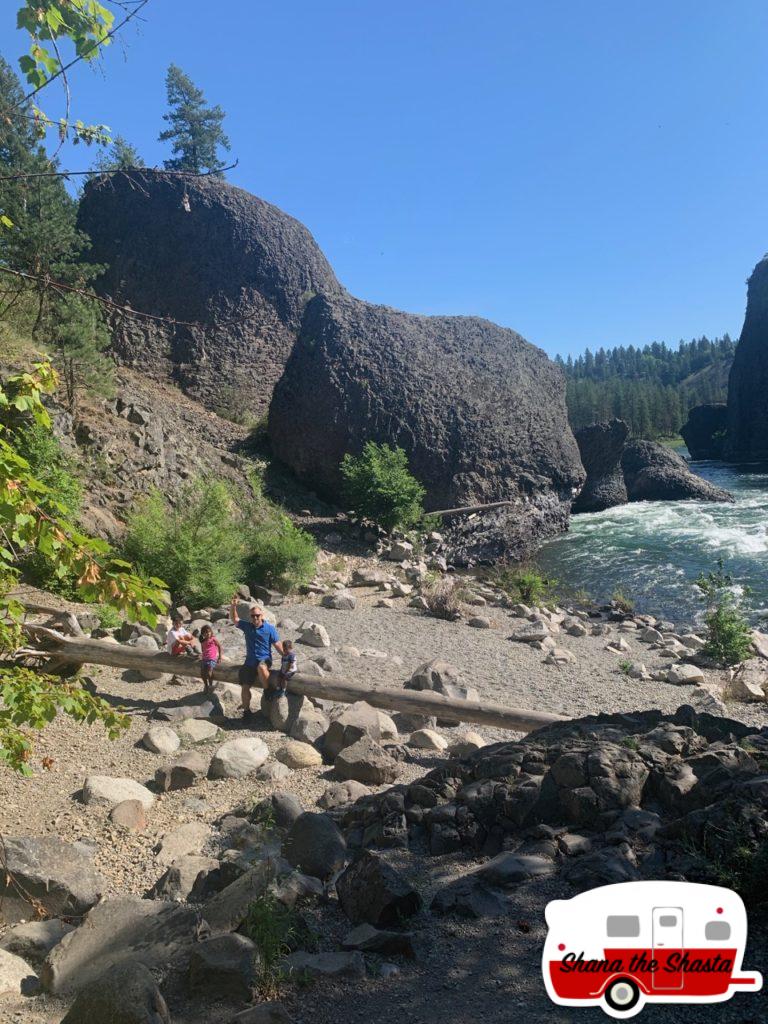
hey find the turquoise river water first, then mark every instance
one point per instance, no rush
(653, 551)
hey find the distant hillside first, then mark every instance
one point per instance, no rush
(651, 388)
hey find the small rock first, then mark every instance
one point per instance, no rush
(426, 739)
(341, 601)
(186, 771)
(314, 635)
(197, 730)
(161, 740)
(560, 656)
(272, 772)
(129, 814)
(181, 842)
(348, 651)
(237, 759)
(298, 755)
(467, 745)
(340, 793)
(480, 622)
(326, 965)
(33, 940)
(178, 881)
(282, 808)
(368, 939)
(685, 675)
(103, 789)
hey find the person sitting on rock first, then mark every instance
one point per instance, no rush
(179, 640)
(260, 637)
(210, 652)
(288, 666)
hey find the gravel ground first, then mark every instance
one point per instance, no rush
(464, 969)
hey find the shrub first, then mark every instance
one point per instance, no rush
(526, 583)
(728, 638)
(442, 599)
(280, 554)
(622, 603)
(379, 486)
(56, 470)
(109, 617)
(197, 547)
(271, 925)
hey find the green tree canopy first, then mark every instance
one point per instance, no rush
(380, 487)
(120, 156)
(195, 130)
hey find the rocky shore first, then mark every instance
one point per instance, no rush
(414, 857)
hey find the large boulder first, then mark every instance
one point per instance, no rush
(124, 994)
(653, 472)
(704, 431)
(315, 845)
(154, 933)
(355, 721)
(480, 412)
(236, 759)
(48, 872)
(110, 791)
(367, 762)
(372, 890)
(203, 252)
(747, 427)
(601, 446)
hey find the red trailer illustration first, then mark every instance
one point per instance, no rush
(622, 946)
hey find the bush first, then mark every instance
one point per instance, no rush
(525, 583)
(379, 486)
(728, 634)
(622, 603)
(197, 547)
(109, 617)
(280, 554)
(272, 926)
(56, 470)
(442, 599)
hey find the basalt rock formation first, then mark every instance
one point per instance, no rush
(601, 446)
(747, 437)
(204, 252)
(480, 412)
(655, 473)
(704, 432)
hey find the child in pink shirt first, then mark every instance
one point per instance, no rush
(210, 652)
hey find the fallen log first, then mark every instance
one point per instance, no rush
(468, 509)
(51, 644)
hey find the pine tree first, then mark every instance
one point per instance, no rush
(195, 128)
(120, 157)
(44, 243)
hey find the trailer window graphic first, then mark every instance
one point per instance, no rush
(622, 946)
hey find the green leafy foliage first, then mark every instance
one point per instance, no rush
(728, 638)
(380, 487)
(622, 602)
(195, 130)
(84, 25)
(34, 520)
(196, 545)
(280, 554)
(525, 583)
(213, 538)
(119, 157)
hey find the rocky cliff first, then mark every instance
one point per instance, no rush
(601, 446)
(704, 431)
(748, 382)
(655, 473)
(202, 251)
(480, 411)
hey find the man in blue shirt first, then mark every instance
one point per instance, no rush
(260, 637)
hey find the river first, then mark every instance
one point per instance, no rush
(653, 551)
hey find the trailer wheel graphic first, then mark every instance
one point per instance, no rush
(622, 995)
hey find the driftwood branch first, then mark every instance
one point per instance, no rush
(52, 644)
(467, 509)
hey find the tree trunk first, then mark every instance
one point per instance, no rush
(51, 644)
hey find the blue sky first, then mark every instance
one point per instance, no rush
(588, 173)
